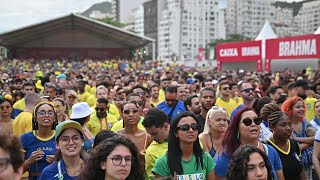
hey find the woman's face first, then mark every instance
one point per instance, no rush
(282, 128)
(130, 114)
(317, 108)
(70, 142)
(118, 163)
(101, 93)
(5, 109)
(219, 123)
(45, 116)
(188, 130)
(252, 131)
(298, 110)
(58, 106)
(256, 167)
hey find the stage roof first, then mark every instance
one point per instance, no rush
(73, 21)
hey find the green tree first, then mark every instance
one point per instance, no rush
(112, 22)
(232, 38)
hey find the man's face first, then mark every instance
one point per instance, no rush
(101, 93)
(155, 92)
(225, 90)
(63, 83)
(277, 94)
(80, 85)
(28, 89)
(247, 92)
(181, 93)
(18, 85)
(165, 84)
(208, 84)
(171, 98)
(301, 92)
(208, 99)
(51, 92)
(101, 110)
(159, 134)
(121, 94)
(195, 105)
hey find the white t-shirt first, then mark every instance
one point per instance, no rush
(265, 132)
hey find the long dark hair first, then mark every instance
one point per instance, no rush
(93, 171)
(174, 151)
(238, 166)
(230, 140)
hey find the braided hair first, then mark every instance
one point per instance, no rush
(272, 113)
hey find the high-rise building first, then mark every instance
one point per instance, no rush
(122, 9)
(138, 20)
(308, 17)
(187, 25)
(152, 14)
(247, 17)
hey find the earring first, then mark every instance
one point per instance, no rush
(238, 135)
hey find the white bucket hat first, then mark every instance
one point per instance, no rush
(80, 110)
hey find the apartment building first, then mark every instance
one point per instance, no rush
(308, 17)
(187, 25)
(247, 17)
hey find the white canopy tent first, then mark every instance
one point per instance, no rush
(265, 34)
(317, 31)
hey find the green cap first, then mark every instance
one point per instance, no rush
(65, 125)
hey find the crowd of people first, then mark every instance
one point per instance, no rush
(120, 119)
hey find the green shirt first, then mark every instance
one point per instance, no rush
(190, 172)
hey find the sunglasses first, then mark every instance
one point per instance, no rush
(186, 127)
(119, 93)
(248, 121)
(100, 109)
(134, 111)
(247, 90)
(226, 88)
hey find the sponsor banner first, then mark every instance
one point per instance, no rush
(200, 54)
(298, 47)
(239, 52)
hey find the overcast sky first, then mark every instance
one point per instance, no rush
(20, 13)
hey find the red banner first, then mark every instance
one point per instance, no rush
(239, 52)
(201, 54)
(298, 47)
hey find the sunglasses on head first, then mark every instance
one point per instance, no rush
(248, 121)
(134, 111)
(99, 109)
(186, 127)
(247, 90)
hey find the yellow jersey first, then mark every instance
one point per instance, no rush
(95, 125)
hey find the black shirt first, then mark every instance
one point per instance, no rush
(291, 163)
(201, 122)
